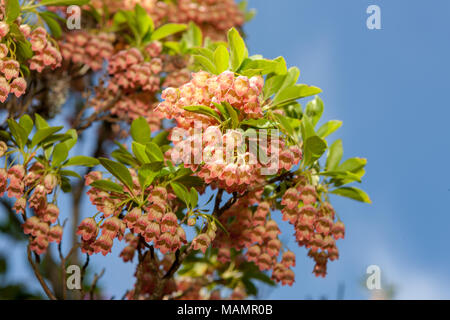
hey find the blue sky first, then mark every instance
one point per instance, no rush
(389, 88)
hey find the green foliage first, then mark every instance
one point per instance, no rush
(12, 10)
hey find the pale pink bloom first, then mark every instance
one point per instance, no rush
(4, 89)
(169, 222)
(25, 29)
(225, 80)
(201, 242)
(103, 244)
(3, 51)
(339, 230)
(152, 232)
(55, 234)
(241, 85)
(51, 213)
(154, 49)
(30, 225)
(18, 86)
(132, 216)
(288, 259)
(92, 176)
(88, 229)
(111, 226)
(4, 29)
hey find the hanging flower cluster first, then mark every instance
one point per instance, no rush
(155, 221)
(31, 186)
(251, 228)
(45, 53)
(315, 226)
(130, 89)
(87, 48)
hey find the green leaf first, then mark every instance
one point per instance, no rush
(119, 171)
(40, 122)
(314, 147)
(12, 10)
(161, 138)
(63, 2)
(294, 110)
(43, 133)
(167, 30)
(66, 187)
(272, 85)
(193, 36)
(334, 155)
(314, 110)
(52, 24)
(19, 133)
(143, 21)
(139, 152)
(205, 52)
(307, 128)
(277, 66)
(233, 114)
(70, 173)
(24, 51)
(221, 58)
(125, 157)
(291, 78)
(237, 48)
(70, 143)
(60, 154)
(146, 175)
(81, 161)
(193, 198)
(287, 124)
(61, 137)
(328, 128)
(140, 130)
(205, 63)
(353, 164)
(352, 193)
(204, 110)
(181, 192)
(258, 123)
(154, 152)
(26, 123)
(342, 175)
(294, 92)
(222, 110)
(119, 18)
(107, 185)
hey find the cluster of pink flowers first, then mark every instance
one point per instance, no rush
(228, 167)
(133, 81)
(242, 93)
(214, 17)
(158, 224)
(10, 79)
(45, 54)
(22, 182)
(255, 231)
(87, 48)
(155, 222)
(315, 226)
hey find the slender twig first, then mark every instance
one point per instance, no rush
(94, 283)
(38, 275)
